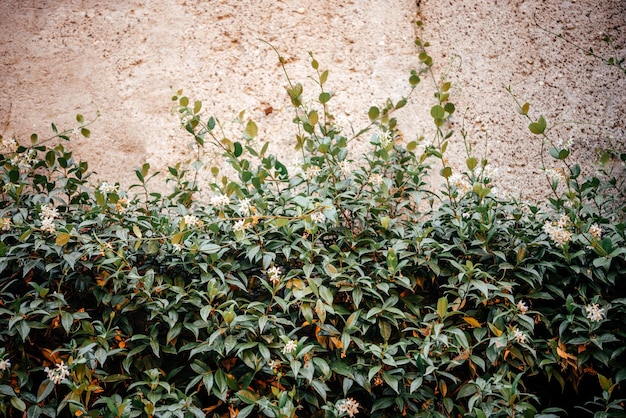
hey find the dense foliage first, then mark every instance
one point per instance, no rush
(341, 286)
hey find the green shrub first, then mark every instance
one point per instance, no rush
(338, 287)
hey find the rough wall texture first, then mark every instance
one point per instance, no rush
(127, 58)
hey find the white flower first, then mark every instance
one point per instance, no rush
(595, 231)
(555, 175)
(460, 182)
(273, 364)
(312, 172)
(376, 179)
(5, 224)
(557, 232)
(57, 374)
(22, 161)
(178, 247)
(239, 225)
(565, 144)
(47, 225)
(489, 172)
(594, 312)
(523, 308)
(519, 336)
(244, 207)
(384, 137)
(296, 165)
(192, 221)
(49, 212)
(273, 274)
(318, 217)
(290, 347)
(8, 146)
(107, 188)
(348, 406)
(5, 364)
(220, 200)
(345, 167)
(563, 221)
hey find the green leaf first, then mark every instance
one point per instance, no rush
(524, 109)
(538, 127)
(442, 306)
(67, 320)
(238, 149)
(392, 381)
(18, 404)
(7, 390)
(85, 132)
(437, 112)
(324, 97)
(251, 129)
(80, 118)
(280, 222)
(197, 106)
(45, 389)
(324, 77)
(50, 158)
(248, 397)
(373, 113)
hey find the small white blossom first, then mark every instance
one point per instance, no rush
(49, 212)
(555, 175)
(240, 225)
(519, 336)
(107, 188)
(5, 364)
(565, 144)
(60, 372)
(296, 166)
(522, 307)
(290, 347)
(8, 146)
(318, 217)
(47, 225)
(23, 162)
(345, 167)
(489, 172)
(312, 172)
(5, 224)
(192, 221)
(594, 312)
(563, 221)
(273, 364)
(244, 207)
(557, 231)
(460, 182)
(384, 137)
(273, 274)
(595, 231)
(220, 200)
(348, 406)
(376, 179)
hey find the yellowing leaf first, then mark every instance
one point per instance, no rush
(62, 239)
(472, 321)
